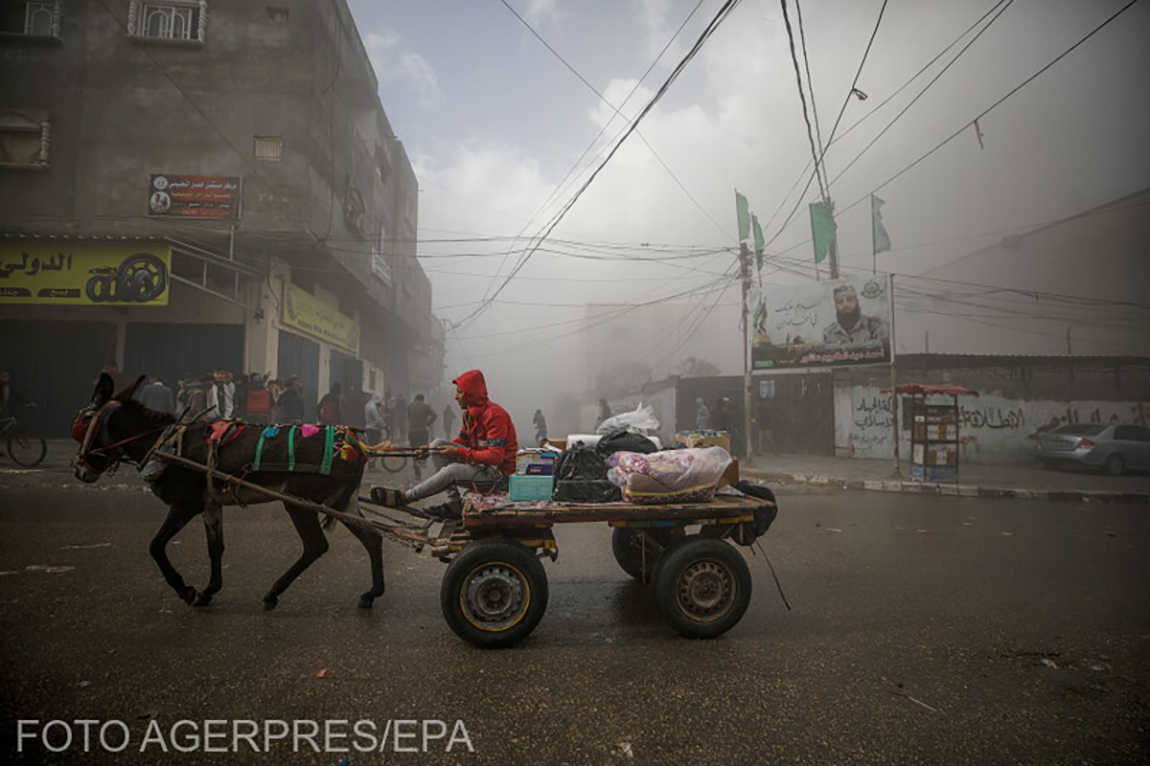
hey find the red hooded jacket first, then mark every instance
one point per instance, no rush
(487, 435)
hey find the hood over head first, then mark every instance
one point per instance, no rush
(473, 386)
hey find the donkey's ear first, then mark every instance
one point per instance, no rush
(130, 391)
(105, 387)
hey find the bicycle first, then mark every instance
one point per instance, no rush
(25, 447)
(390, 463)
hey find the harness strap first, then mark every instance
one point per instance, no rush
(328, 449)
(291, 448)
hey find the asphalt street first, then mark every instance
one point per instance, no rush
(923, 630)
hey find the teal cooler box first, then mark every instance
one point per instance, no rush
(528, 489)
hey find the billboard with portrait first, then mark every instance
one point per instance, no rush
(835, 323)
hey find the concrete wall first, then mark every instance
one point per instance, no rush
(993, 429)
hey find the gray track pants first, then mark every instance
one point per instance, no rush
(450, 475)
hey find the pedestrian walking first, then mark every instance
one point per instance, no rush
(420, 416)
(158, 397)
(540, 423)
(289, 406)
(448, 421)
(328, 411)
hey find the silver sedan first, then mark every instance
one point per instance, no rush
(1112, 448)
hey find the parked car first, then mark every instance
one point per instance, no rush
(1110, 448)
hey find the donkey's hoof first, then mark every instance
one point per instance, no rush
(189, 595)
(202, 599)
(270, 603)
(366, 601)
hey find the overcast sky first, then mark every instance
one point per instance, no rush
(493, 121)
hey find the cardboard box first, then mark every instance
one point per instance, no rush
(702, 439)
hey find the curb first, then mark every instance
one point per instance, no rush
(953, 490)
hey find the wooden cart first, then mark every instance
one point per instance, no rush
(495, 590)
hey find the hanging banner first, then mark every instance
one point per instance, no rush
(836, 323)
(180, 196)
(77, 273)
(305, 312)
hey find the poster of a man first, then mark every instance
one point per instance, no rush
(833, 323)
(850, 327)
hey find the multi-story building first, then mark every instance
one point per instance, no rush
(194, 184)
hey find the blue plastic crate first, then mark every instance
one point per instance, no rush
(527, 489)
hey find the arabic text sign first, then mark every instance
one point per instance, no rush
(305, 312)
(70, 273)
(837, 323)
(183, 196)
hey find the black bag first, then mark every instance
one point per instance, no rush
(587, 491)
(581, 463)
(624, 441)
(766, 516)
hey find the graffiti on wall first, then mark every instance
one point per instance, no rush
(993, 428)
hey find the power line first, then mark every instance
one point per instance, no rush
(722, 14)
(921, 93)
(604, 99)
(810, 80)
(835, 138)
(981, 115)
(803, 101)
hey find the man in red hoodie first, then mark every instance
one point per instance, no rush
(481, 456)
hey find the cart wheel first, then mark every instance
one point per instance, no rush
(702, 587)
(494, 594)
(627, 544)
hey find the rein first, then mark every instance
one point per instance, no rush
(114, 451)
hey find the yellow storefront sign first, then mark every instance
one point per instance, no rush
(305, 312)
(64, 273)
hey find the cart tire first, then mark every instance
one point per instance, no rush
(393, 464)
(702, 587)
(629, 553)
(494, 594)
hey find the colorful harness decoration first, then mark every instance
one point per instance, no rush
(339, 441)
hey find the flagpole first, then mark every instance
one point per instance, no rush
(873, 244)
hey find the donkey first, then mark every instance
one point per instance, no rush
(118, 428)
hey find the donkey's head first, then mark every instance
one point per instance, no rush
(93, 428)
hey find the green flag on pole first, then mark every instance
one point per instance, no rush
(760, 241)
(822, 230)
(744, 213)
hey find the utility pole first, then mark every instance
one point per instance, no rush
(745, 271)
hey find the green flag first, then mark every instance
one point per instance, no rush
(822, 230)
(744, 214)
(760, 241)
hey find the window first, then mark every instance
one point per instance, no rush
(181, 21)
(279, 15)
(380, 268)
(31, 19)
(169, 21)
(23, 141)
(1132, 434)
(269, 148)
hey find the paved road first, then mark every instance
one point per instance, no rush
(919, 634)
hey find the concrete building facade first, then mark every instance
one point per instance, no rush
(244, 148)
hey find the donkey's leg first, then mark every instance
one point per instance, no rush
(178, 517)
(373, 544)
(214, 526)
(314, 546)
